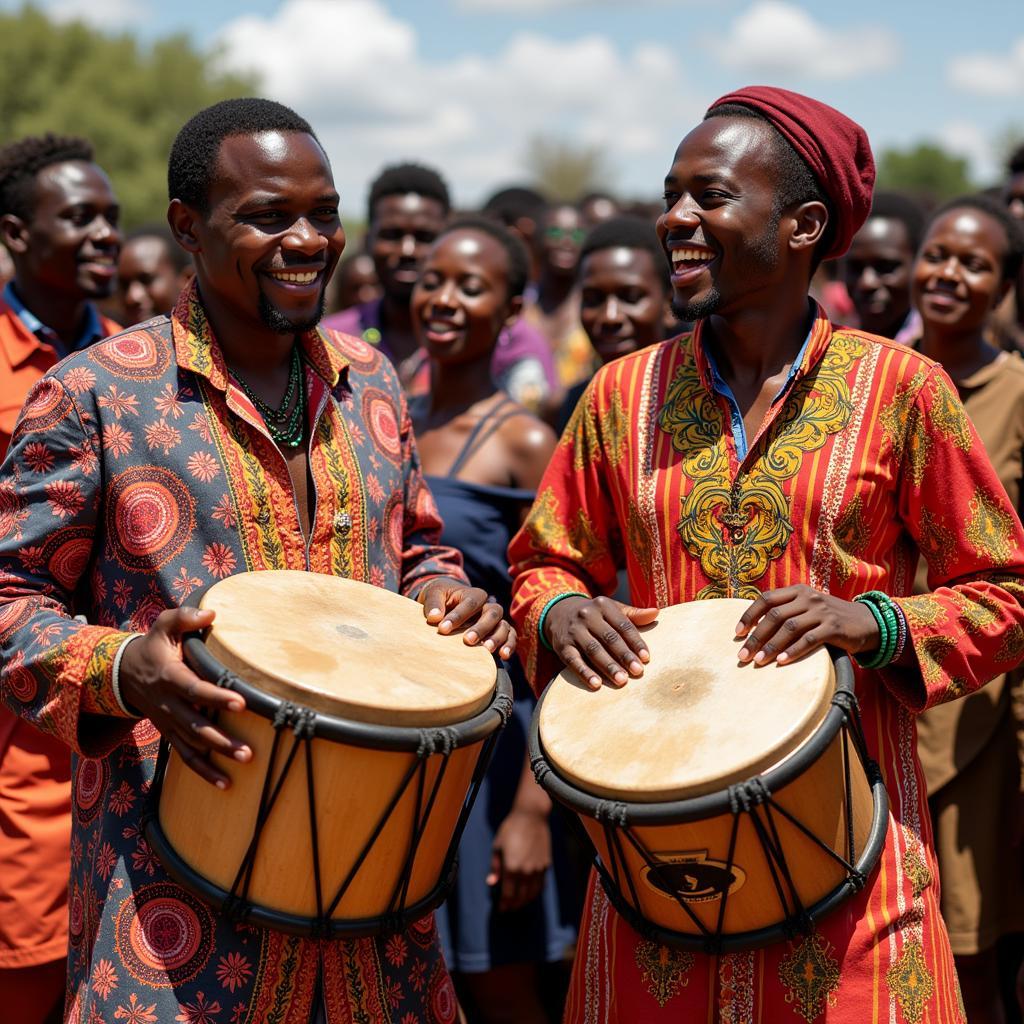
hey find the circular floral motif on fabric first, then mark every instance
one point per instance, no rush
(393, 527)
(442, 996)
(150, 517)
(164, 935)
(134, 356)
(48, 405)
(91, 778)
(379, 416)
(12, 617)
(76, 914)
(11, 507)
(362, 356)
(423, 932)
(66, 553)
(19, 681)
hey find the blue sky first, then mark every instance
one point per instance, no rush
(465, 84)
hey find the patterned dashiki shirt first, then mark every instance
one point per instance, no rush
(865, 459)
(139, 472)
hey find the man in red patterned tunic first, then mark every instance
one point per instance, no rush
(770, 456)
(231, 436)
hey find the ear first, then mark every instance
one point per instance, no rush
(515, 307)
(14, 233)
(182, 221)
(809, 222)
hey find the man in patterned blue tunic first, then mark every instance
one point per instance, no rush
(231, 436)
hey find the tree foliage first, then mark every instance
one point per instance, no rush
(128, 99)
(563, 171)
(926, 171)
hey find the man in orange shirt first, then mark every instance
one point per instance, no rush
(58, 220)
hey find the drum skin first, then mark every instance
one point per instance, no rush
(697, 726)
(696, 853)
(210, 828)
(360, 655)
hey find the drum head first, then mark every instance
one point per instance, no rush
(696, 722)
(346, 649)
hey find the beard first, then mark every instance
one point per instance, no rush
(280, 324)
(761, 256)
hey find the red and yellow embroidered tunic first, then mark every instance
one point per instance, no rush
(139, 472)
(867, 457)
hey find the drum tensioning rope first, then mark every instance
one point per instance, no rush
(751, 800)
(424, 744)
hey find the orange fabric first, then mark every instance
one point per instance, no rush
(35, 769)
(23, 360)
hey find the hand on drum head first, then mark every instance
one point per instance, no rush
(449, 604)
(791, 622)
(159, 686)
(598, 637)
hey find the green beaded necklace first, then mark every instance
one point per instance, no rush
(286, 423)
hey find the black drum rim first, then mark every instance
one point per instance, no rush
(675, 812)
(624, 813)
(336, 728)
(734, 942)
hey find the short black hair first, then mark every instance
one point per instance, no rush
(901, 207)
(629, 233)
(518, 258)
(1015, 164)
(795, 182)
(179, 258)
(998, 212)
(517, 201)
(401, 179)
(22, 160)
(194, 152)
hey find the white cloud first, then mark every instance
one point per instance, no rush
(966, 139)
(990, 74)
(375, 98)
(536, 6)
(103, 14)
(782, 40)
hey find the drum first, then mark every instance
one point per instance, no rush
(730, 805)
(370, 734)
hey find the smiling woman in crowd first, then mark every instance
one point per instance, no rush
(483, 455)
(969, 748)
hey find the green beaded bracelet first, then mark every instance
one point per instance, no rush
(544, 614)
(887, 618)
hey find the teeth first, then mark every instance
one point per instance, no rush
(307, 278)
(691, 255)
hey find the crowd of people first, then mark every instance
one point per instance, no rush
(777, 384)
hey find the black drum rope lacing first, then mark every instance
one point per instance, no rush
(428, 746)
(750, 800)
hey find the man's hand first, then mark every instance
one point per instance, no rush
(520, 856)
(449, 604)
(598, 636)
(159, 686)
(791, 622)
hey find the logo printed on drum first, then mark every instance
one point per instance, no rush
(351, 632)
(693, 877)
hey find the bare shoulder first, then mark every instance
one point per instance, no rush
(530, 443)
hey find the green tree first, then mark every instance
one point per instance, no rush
(564, 171)
(128, 99)
(926, 171)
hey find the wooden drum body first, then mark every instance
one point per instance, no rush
(730, 805)
(370, 734)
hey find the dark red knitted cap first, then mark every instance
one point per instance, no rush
(835, 148)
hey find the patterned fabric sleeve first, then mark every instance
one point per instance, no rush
(55, 669)
(570, 541)
(970, 627)
(424, 558)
